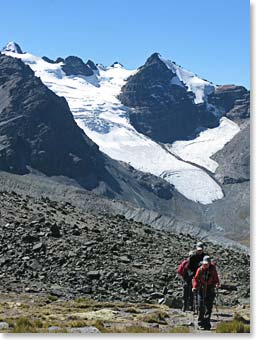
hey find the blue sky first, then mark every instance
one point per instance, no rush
(208, 37)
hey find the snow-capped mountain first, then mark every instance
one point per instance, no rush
(12, 47)
(105, 101)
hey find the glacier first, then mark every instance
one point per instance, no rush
(97, 110)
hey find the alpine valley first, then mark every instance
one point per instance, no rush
(109, 177)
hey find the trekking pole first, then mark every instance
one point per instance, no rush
(216, 302)
(194, 306)
(195, 303)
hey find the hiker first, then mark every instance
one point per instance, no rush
(187, 271)
(196, 258)
(194, 262)
(187, 276)
(204, 283)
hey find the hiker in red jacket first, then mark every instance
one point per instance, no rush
(205, 281)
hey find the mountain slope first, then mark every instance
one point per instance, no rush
(211, 205)
(38, 132)
(98, 111)
(164, 100)
(170, 103)
(56, 248)
(234, 159)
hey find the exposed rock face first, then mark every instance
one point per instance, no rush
(232, 213)
(92, 65)
(233, 101)
(116, 64)
(234, 159)
(48, 60)
(75, 66)
(163, 110)
(37, 126)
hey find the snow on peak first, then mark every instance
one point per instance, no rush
(116, 64)
(12, 47)
(200, 87)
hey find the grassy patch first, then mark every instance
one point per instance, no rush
(134, 329)
(155, 317)
(24, 325)
(237, 325)
(52, 298)
(132, 310)
(233, 327)
(100, 325)
(179, 329)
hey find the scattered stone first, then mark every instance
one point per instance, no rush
(157, 295)
(55, 231)
(84, 330)
(54, 328)
(102, 265)
(173, 302)
(4, 325)
(38, 246)
(93, 275)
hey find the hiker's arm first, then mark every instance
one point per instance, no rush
(196, 279)
(216, 279)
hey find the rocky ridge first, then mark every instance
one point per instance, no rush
(165, 109)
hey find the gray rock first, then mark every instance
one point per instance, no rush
(4, 325)
(54, 328)
(93, 275)
(38, 246)
(84, 330)
(156, 295)
(173, 302)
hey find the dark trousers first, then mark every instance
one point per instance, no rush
(187, 294)
(206, 296)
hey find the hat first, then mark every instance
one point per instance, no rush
(199, 246)
(206, 259)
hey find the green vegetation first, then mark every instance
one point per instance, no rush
(237, 325)
(132, 310)
(155, 317)
(24, 325)
(179, 329)
(52, 298)
(134, 329)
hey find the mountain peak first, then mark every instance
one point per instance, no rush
(12, 47)
(117, 64)
(154, 57)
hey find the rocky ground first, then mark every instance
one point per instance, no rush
(55, 248)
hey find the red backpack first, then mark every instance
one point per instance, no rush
(182, 269)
